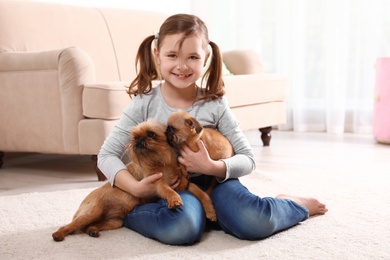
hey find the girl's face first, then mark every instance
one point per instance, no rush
(181, 67)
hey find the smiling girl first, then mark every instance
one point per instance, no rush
(178, 56)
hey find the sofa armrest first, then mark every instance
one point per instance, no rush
(46, 88)
(241, 62)
(262, 104)
(105, 100)
(259, 89)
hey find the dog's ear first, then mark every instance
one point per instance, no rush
(198, 126)
(194, 124)
(188, 122)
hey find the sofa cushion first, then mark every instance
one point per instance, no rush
(105, 100)
(247, 90)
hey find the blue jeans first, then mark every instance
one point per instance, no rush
(239, 212)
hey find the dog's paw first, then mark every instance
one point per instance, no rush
(175, 203)
(210, 213)
(212, 216)
(92, 231)
(58, 237)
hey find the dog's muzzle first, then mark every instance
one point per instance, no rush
(170, 134)
(141, 145)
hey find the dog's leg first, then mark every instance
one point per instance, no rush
(115, 213)
(76, 225)
(184, 178)
(204, 200)
(166, 192)
(107, 224)
(212, 185)
(86, 214)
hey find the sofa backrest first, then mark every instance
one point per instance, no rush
(128, 28)
(111, 37)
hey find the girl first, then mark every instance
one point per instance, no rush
(179, 55)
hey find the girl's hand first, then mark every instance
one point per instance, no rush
(146, 188)
(200, 162)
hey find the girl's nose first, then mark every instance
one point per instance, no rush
(181, 65)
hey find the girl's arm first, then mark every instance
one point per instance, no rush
(243, 162)
(114, 148)
(219, 114)
(142, 189)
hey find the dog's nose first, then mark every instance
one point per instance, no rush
(170, 129)
(169, 134)
(140, 143)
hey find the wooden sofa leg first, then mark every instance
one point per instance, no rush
(266, 135)
(1, 159)
(100, 175)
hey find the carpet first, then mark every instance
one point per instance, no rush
(356, 226)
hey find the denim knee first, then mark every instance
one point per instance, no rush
(247, 216)
(246, 222)
(186, 224)
(180, 226)
(250, 225)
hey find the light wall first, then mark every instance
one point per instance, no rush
(165, 6)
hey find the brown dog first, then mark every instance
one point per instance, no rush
(106, 207)
(184, 129)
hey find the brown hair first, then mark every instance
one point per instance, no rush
(188, 25)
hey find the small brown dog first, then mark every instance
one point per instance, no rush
(106, 207)
(184, 129)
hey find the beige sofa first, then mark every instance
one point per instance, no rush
(64, 69)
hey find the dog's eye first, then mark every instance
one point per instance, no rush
(151, 135)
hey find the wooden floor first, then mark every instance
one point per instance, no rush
(26, 172)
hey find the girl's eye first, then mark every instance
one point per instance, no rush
(172, 55)
(193, 58)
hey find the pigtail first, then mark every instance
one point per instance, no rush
(146, 69)
(214, 85)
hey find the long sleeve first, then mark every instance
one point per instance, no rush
(243, 161)
(112, 152)
(212, 113)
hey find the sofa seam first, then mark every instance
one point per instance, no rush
(112, 42)
(258, 103)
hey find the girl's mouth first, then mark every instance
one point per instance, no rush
(181, 76)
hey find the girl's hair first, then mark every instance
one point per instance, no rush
(188, 25)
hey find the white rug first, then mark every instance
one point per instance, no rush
(357, 225)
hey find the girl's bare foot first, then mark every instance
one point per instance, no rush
(313, 205)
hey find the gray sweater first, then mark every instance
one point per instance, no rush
(212, 113)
